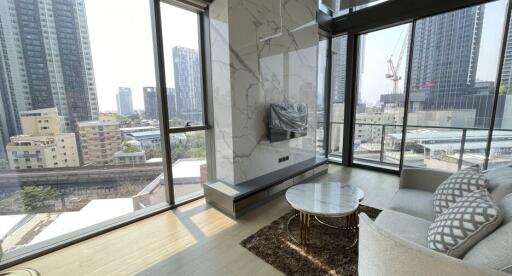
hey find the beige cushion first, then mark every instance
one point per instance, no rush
(495, 251)
(464, 224)
(405, 226)
(414, 202)
(500, 182)
(457, 186)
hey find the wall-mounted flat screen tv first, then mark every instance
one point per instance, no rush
(287, 121)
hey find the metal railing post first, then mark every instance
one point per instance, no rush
(461, 151)
(382, 143)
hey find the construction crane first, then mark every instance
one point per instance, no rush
(394, 66)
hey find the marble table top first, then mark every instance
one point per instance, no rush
(329, 199)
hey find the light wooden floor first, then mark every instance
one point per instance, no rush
(194, 239)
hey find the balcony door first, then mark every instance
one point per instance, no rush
(188, 128)
(380, 96)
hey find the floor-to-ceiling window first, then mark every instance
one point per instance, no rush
(321, 91)
(185, 100)
(380, 95)
(337, 108)
(429, 93)
(500, 151)
(81, 116)
(452, 88)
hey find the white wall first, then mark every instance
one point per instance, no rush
(263, 52)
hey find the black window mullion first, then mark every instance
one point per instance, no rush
(497, 82)
(327, 97)
(350, 98)
(163, 108)
(407, 94)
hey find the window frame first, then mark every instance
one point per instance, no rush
(30, 252)
(383, 16)
(161, 87)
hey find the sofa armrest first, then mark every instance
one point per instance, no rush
(383, 253)
(422, 179)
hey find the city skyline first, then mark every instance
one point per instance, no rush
(379, 46)
(116, 34)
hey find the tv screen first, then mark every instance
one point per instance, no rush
(287, 121)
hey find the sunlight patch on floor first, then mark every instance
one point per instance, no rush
(212, 221)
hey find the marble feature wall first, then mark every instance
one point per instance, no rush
(263, 52)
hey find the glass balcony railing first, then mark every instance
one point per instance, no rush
(443, 148)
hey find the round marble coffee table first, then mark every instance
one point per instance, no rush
(323, 200)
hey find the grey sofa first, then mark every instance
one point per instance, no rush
(396, 242)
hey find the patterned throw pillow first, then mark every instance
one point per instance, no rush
(456, 186)
(464, 224)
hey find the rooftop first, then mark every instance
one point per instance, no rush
(145, 134)
(187, 168)
(38, 111)
(138, 129)
(94, 212)
(96, 123)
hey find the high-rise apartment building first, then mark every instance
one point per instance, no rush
(445, 57)
(43, 144)
(187, 80)
(150, 102)
(339, 68)
(99, 141)
(506, 73)
(171, 103)
(124, 101)
(45, 62)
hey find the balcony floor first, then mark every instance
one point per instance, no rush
(194, 239)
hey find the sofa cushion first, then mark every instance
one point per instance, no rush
(457, 186)
(414, 202)
(494, 251)
(464, 224)
(405, 226)
(500, 182)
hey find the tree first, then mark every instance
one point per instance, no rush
(130, 147)
(503, 89)
(37, 197)
(198, 152)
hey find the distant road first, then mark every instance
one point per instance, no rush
(79, 175)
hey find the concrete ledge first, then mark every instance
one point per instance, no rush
(235, 200)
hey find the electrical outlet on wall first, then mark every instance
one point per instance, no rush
(283, 159)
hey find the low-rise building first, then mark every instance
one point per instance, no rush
(99, 141)
(129, 158)
(108, 117)
(149, 140)
(43, 144)
(369, 126)
(33, 152)
(130, 154)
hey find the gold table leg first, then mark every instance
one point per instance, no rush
(305, 223)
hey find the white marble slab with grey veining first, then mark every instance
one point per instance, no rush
(330, 199)
(262, 52)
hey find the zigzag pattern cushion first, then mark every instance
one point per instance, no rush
(464, 224)
(457, 186)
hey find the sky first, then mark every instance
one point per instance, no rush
(122, 48)
(122, 45)
(379, 45)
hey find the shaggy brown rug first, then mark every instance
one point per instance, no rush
(325, 253)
